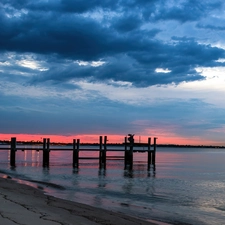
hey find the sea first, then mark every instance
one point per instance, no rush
(187, 185)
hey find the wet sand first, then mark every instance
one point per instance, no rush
(25, 205)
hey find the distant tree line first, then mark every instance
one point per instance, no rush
(7, 142)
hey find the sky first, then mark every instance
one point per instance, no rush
(80, 69)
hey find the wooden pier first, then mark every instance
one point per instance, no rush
(129, 148)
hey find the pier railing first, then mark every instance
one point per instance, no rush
(129, 147)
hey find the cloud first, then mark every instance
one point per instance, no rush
(130, 52)
(139, 68)
(127, 23)
(184, 11)
(211, 27)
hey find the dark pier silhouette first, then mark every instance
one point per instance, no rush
(128, 147)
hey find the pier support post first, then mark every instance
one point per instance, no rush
(46, 145)
(44, 154)
(130, 155)
(102, 153)
(13, 152)
(154, 151)
(149, 153)
(128, 159)
(76, 146)
(125, 154)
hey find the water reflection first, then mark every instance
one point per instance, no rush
(35, 158)
(128, 174)
(46, 175)
(152, 171)
(101, 178)
(140, 171)
(75, 180)
(102, 172)
(128, 186)
(151, 174)
(8, 155)
(25, 157)
(75, 170)
(13, 168)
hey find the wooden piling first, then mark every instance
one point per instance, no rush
(76, 146)
(46, 150)
(104, 152)
(130, 155)
(125, 154)
(13, 152)
(154, 151)
(149, 153)
(100, 152)
(44, 154)
(74, 154)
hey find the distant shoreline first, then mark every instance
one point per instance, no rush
(6, 142)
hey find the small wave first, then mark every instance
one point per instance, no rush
(221, 208)
(47, 184)
(9, 175)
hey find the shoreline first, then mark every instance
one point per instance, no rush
(22, 204)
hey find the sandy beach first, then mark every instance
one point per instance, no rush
(25, 205)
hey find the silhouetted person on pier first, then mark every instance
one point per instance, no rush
(131, 138)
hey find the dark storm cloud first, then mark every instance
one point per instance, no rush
(45, 34)
(61, 30)
(127, 23)
(139, 67)
(78, 6)
(211, 27)
(190, 10)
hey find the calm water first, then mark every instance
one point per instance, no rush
(188, 185)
